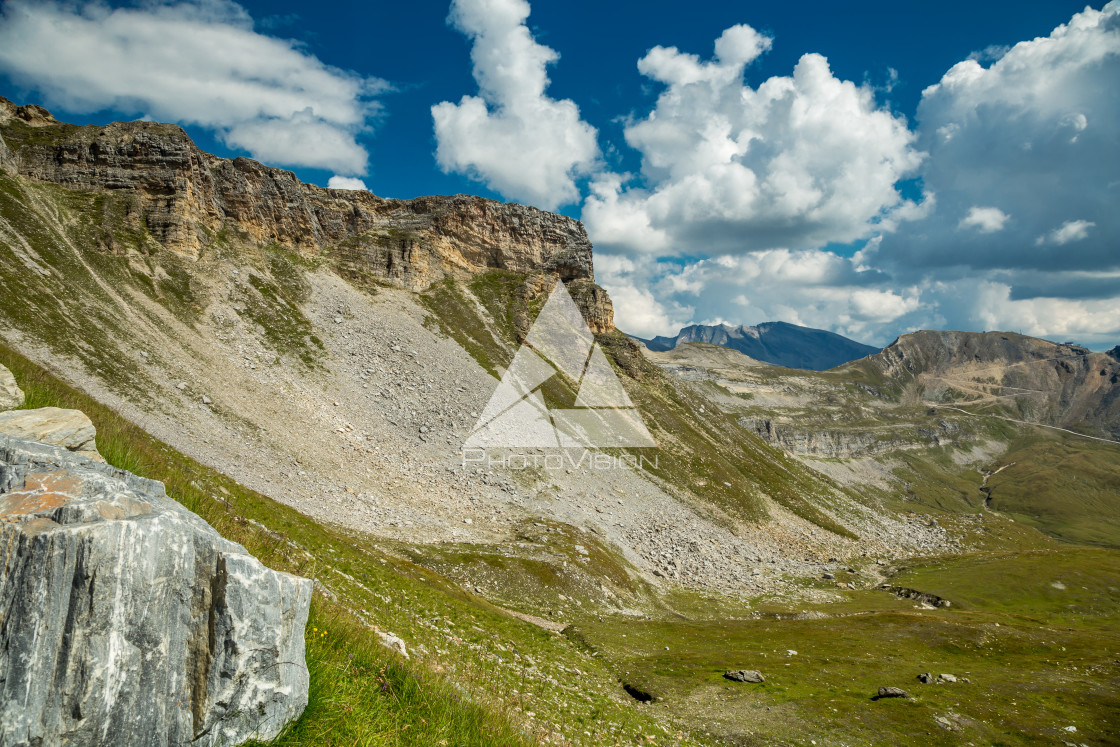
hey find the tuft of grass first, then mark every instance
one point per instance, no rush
(356, 691)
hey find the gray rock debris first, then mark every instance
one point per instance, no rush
(69, 429)
(10, 394)
(128, 620)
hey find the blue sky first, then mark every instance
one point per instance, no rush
(868, 168)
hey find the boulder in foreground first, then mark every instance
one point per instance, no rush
(126, 619)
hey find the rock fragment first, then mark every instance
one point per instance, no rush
(11, 395)
(744, 675)
(129, 620)
(892, 692)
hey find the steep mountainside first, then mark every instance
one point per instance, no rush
(251, 319)
(779, 343)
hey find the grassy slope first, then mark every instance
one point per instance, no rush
(1063, 485)
(97, 263)
(483, 672)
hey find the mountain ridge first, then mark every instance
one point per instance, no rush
(190, 200)
(780, 343)
(1029, 378)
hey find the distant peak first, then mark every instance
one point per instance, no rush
(779, 343)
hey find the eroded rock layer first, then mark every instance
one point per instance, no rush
(190, 200)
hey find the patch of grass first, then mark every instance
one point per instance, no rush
(19, 135)
(357, 692)
(276, 309)
(551, 569)
(1037, 659)
(456, 316)
(1065, 486)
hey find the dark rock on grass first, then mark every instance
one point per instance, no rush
(925, 678)
(744, 675)
(892, 692)
(128, 620)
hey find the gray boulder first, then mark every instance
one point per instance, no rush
(892, 692)
(744, 675)
(126, 619)
(70, 429)
(10, 394)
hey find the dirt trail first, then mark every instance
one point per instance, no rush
(1027, 422)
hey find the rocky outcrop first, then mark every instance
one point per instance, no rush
(595, 304)
(126, 619)
(191, 202)
(592, 301)
(7, 160)
(10, 393)
(744, 675)
(850, 443)
(68, 429)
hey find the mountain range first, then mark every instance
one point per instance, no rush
(780, 343)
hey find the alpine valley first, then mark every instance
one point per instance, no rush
(301, 367)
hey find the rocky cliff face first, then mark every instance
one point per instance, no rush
(126, 619)
(193, 202)
(850, 443)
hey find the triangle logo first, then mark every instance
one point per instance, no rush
(559, 341)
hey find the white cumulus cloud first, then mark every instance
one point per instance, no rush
(984, 219)
(346, 182)
(1035, 131)
(512, 136)
(194, 62)
(1071, 230)
(799, 161)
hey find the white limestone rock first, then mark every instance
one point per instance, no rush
(126, 619)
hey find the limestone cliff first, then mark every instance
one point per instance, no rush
(192, 202)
